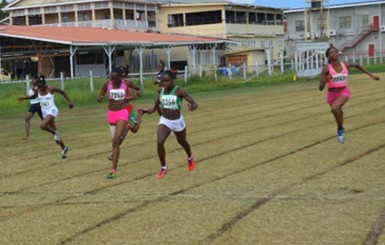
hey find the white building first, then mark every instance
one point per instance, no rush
(355, 29)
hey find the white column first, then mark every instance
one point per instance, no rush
(109, 51)
(194, 62)
(282, 64)
(268, 56)
(213, 48)
(72, 53)
(140, 52)
(168, 52)
(27, 83)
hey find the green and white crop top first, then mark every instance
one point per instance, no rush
(170, 101)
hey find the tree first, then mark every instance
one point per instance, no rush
(3, 15)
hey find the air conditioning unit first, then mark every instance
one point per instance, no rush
(316, 35)
(308, 35)
(382, 28)
(333, 33)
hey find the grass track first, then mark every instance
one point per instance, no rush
(269, 171)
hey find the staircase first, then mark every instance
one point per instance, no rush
(356, 41)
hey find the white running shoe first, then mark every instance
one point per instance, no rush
(341, 136)
(64, 152)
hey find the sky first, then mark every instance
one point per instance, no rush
(302, 3)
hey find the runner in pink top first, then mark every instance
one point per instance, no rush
(335, 74)
(118, 100)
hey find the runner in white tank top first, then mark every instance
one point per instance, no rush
(33, 108)
(45, 95)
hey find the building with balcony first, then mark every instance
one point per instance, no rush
(127, 15)
(356, 29)
(257, 30)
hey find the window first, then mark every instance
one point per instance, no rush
(129, 5)
(203, 18)
(84, 6)
(345, 22)
(241, 17)
(118, 5)
(67, 8)
(252, 43)
(140, 6)
(50, 10)
(279, 20)
(261, 18)
(365, 21)
(151, 17)
(150, 7)
(140, 15)
(101, 5)
(65, 18)
(270, 19)
(18, 12)
(178, 65)
(299, 25)
(230, 16)
(263, 44)
(34, 11)
(252, 18)
(129, 14)
(83, 16)
(175, 20)
(85, 58)
(236, 17)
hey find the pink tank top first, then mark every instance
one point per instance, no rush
(117, 93)
(338, 79)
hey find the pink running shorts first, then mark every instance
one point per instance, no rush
(115, 116)
(332, 96)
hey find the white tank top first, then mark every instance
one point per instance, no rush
(33, 101)
(46, 101)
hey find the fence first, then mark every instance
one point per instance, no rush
(245, 72)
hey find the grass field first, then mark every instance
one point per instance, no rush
(269, 171)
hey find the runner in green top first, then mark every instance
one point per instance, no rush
(169, 101)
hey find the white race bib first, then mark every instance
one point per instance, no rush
(45, 104)
(340, 78)
(117, 94)
(169, 102)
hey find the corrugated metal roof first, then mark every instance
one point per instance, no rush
(79, 36)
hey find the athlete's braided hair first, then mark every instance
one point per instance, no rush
(117, 70)
(170, 73)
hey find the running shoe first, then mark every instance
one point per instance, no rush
(64, 152)
(341, 136)
(111, 175)
(162, 173)
(109, 157)
(191, 164)
(57, 137)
